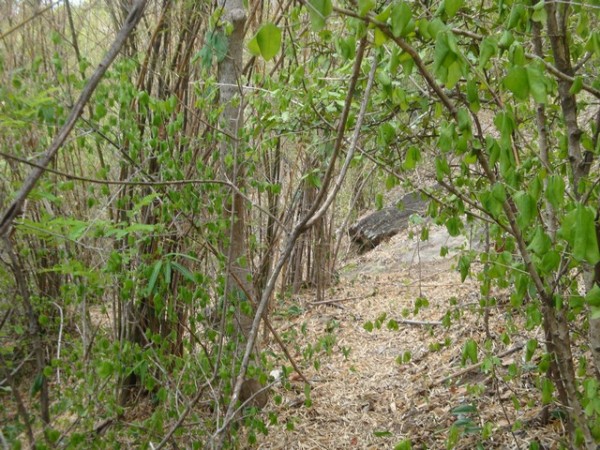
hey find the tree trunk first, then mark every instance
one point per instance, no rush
(239, 286)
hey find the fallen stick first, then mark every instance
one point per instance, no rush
(419, 322)
(336, 300)
(470, 368)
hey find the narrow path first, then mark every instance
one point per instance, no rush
(375, 388)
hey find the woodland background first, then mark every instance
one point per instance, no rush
(174, 174)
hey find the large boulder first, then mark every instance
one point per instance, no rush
(372, 229)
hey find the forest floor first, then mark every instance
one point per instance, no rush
(406, 379)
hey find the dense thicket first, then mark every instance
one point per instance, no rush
(215, 166)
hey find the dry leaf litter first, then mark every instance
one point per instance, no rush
(375, 389)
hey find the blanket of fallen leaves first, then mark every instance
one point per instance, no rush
(405, 379)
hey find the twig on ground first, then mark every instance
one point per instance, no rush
(419, 322)
(336, 300)
(470, 368)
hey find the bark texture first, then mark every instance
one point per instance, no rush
(239, 288)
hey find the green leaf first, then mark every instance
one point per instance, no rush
(539, 12)
(517, 82)
(518, 14)
(464, 120)
(114, 263)
(220, 44)
(470, 352)
(167, 271)
(448, 62)
(517, 54)
(537, 84)
(152, 281)
(441, 168)
(392, 325)
(382, 433)
(384, 15)
(380, 38)
(530, 348)
(576, 86)
(506, 40)
(161, 395)
(401, 16)
(205, 57)
(319, 11)
(140, 228)
(365, 6)
(405, 444)
(454, 225)
(487, 49)
(105, 369)
(499, 192)
(268, 40)
(536, 187)
(347, 47)
(413, 156)
(432, 28)
(379, 201)
(394, 60)
(473, 95)
(184, 271)
(442, 52)
(455, 73)
(391, 181)
(464, 409)
(464, 264)
(36, 386)
(547, 391)
(540, 243)
(550, 261)
(527, 209)
(52, 435)
(100, 111)
(452, 6)
(579, 230)
(555, 190)
(447, 139)
(145, 201)
(368, 326)
(386, 134)
(593, 44)
(592, 298)
(253, 47)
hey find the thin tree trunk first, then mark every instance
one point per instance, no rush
(232, 121)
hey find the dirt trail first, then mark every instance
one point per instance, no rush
(374, 389)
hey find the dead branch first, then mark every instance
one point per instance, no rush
(470, 368)
(336, 300)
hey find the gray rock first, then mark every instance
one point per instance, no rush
(373, 229)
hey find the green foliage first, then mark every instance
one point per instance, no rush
(578, 229)
(449, 65)
(266, 42)
(403, 445)
(319, 11)
(215, 47)
(401, 19)
(474, 121)
(469, 352)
